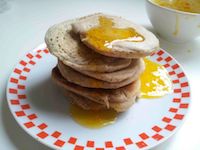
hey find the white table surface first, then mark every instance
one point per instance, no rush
(23, 24)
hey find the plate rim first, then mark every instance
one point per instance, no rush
(42, 46)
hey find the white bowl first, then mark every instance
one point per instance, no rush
(173, 25)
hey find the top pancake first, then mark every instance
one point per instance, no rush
(96, 30)
(67, 46)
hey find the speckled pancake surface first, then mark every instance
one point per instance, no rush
(68, 48)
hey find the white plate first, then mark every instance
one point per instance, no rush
(42, 111)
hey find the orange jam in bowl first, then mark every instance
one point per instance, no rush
(192, 6)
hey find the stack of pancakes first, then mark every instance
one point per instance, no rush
(91, 78)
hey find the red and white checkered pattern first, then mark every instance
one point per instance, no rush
(20, 107)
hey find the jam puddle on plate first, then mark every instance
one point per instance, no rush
(155, 81)
(91, 118)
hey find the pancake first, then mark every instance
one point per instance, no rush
(68, 48)
(85, 81)
(99, 32)
(82, 101)
(102, 96)
(87, 104)
(136, 67)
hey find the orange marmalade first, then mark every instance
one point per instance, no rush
(102, 36)
(192, 6)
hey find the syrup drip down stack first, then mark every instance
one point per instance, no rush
(100, 60)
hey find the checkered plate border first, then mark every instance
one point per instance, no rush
(30, 122)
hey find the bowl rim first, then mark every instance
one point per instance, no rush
(172, 10)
